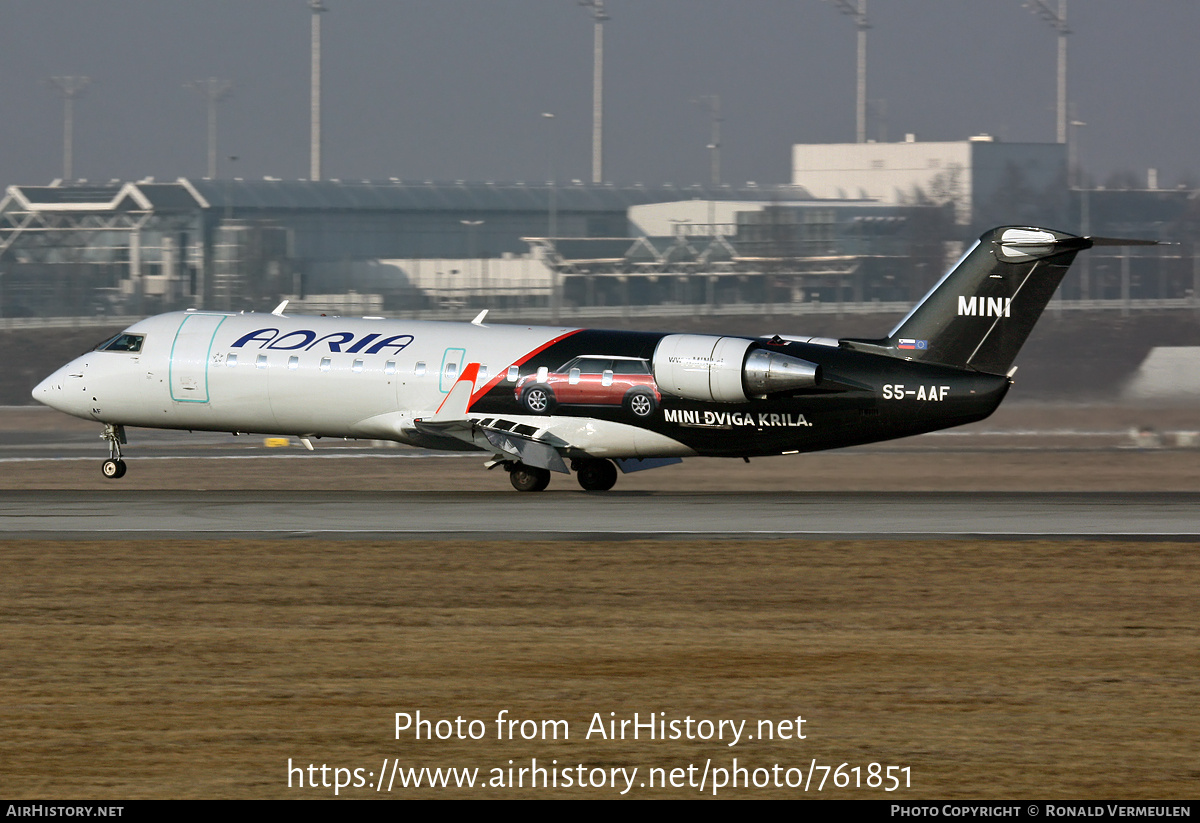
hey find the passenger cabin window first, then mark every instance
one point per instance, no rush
(483, 372)
(419, 371)
(451, 371)
(326, 364)
(293, 363)
(122, 342)
(231, 360)
(389, 367)
(357, 367)
(513, 373)
(260, 362)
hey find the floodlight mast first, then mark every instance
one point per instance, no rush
(598, 17)
(712, 102)
(213, 91)
(859, 13)
(69, 87)
(314, 164)
(1058, 22)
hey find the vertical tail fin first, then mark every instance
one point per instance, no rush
(982, 311)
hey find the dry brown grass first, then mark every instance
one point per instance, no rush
(1165, 470)
(992, 669)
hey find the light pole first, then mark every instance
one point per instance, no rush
(213, 91)
(552, 228)
(712, 102)
(69, 87)
(1085, 217)
(598, 18)
(229, 244)
(472, 225)
(1058, 22)
(1074, 174)
(314, 163)
(859, 14)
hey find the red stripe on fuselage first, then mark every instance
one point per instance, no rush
(495, 381)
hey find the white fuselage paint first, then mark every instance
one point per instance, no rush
(317, 376)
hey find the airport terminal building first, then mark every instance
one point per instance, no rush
(141, 247)
(536, 251)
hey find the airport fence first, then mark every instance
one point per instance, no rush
(582, 314)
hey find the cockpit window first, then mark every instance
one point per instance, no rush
(122, 342)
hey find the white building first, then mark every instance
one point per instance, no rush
(979, 175)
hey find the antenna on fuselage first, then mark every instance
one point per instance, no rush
(278, 312)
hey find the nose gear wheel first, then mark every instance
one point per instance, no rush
(114, 467)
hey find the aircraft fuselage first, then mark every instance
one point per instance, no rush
(367, 378)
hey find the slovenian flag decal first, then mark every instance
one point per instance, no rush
(906, 343)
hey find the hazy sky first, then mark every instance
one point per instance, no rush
(454, 89)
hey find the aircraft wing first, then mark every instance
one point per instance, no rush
(533, 447)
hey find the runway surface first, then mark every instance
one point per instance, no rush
(614, 515)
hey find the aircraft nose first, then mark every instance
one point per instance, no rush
(44, 392)
(52, 392)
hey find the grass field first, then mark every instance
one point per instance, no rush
(1019, 669)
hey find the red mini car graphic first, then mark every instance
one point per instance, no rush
(592, 380)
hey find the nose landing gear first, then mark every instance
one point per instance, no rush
(114, 467)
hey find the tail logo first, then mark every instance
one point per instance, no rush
(984, 306)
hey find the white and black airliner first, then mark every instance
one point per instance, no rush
(539, 400)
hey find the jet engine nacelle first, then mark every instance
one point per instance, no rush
(727, 369)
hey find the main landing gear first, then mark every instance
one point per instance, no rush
(593, 474)
(527, 478)
(114, 467)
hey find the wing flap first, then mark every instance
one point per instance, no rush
(529, 451)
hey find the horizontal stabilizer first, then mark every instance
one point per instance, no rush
(1123, 241)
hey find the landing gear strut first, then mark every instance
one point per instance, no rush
(528, 478)
(114, 466)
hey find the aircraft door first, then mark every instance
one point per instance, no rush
(190, 354)
(453, 362)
